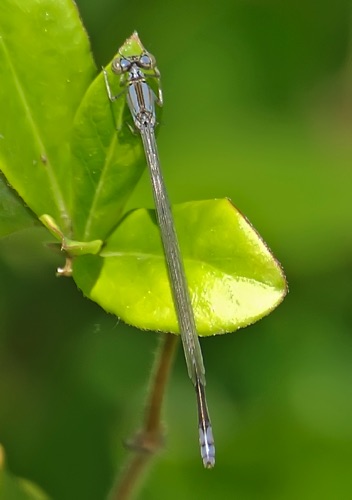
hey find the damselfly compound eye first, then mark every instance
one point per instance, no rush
(120, 65)
(146, 61)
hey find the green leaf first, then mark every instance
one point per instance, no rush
(71, 247)
(14, 215)
(46, 67)
(13, 488)
(234, 279)
(109, 157)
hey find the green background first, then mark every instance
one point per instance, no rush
(258, 107)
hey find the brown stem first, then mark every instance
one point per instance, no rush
(150, 439)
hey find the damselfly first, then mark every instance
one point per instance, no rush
(135, 72)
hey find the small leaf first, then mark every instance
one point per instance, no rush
(14, 215)
(71, 247)
(234, 279)
(109, 157)
(14, 488)
(45, 67)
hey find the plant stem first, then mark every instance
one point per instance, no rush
(150, 439)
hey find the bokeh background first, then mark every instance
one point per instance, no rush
(258, 107)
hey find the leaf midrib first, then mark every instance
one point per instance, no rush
(100, 186)
(153, 256)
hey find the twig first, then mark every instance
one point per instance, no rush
(150, 439)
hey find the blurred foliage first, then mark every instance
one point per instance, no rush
(13, 488)
(265, 118)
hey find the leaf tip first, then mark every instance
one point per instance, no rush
(132, 45)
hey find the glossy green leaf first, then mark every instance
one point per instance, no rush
(109, 157)
(14, 488)
(233, 277)
(45, 67)
(14, 215)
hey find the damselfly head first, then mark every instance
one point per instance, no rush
(122, 64)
